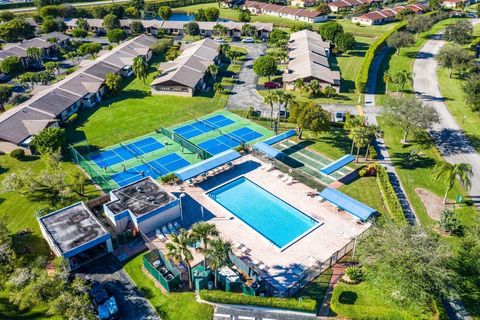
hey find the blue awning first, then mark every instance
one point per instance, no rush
(196, 169)
(341, 200)
(280, 137)
(340, 163)
(267, 150)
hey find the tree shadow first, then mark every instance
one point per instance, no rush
(348, 297)
(402, 160)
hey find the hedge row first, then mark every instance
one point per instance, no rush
(362, 75)
(216, 296)
(388, 193)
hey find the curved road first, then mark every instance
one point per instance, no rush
(448, 135)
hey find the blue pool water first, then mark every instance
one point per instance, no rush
(270, 216)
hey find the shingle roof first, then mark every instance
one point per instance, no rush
(100, 69)
(308, 58)
(188, 68)
(17, 127)
(55, 102)
(82, 84)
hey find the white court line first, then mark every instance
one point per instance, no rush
(246, 318)
(222, 315)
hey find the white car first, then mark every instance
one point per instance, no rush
(248, 40)
(220, 40)
(338, 117)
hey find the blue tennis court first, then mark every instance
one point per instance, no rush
(154, 168)
(205, 125)
(126, 152)
(229, 141)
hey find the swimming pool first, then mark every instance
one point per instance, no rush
(267, 214)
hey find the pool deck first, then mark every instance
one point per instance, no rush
(337, 228)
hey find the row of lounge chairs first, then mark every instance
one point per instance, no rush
(163, 232)
(194, 181)
(257, 263)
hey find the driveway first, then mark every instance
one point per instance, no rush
(448, 135)
(244, 93)
(131, 303)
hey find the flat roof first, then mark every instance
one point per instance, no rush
(72, 226)
(140, 197)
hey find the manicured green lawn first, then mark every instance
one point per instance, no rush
(317, 288)
(365, 190)
(404, 61)
(169, 306)
(421, 176)
(135, 112)
(362, 301)
(365, 31)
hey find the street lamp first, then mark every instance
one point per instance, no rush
(181, 206)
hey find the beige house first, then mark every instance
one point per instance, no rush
(453, 4)
(308, 60)
(185, 75)
(303, 3)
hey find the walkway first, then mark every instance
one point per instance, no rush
(244, 93)
(448, 135)
(337, 273)
(371, 86)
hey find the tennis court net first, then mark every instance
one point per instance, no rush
(132, 151)
(233, 137)
(208, 124)
(153, 168)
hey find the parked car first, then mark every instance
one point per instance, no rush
(248, 40)
(338, 117)
(104, 303)
(272, 85)
(284, 115)
(220, 40)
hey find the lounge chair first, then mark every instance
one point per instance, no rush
(290, 181)
(165, 230)
(285, 178)
(176, 225)
(312, 261)
(160, 235)
(171, 228)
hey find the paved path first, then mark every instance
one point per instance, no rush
(132, 305)
(448, 135)
(229, 312)
(337, 272)
(371, 86)
(244, 93)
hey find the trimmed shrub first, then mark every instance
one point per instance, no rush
(355, 274)
(390, 197)
(362, 75)
(18, 154)
(303, 304)
(168, 178)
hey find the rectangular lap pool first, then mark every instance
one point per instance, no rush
(270, 216)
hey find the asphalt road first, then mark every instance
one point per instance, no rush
(244, 93)
(448, 135)
(131, 303)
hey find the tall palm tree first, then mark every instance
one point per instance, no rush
(178, 250)
(270, 99)
(288, 99)
(218, 256)
(401, 78)
(314, 87)
(217, 86)
(451, 172)
(204, 232)
(387, 78)
(140, 67)
(213, 70)
(360, 137)
(35, 54)
(299, 85)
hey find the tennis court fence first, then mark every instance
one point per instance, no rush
(184, 143)
(91, 171)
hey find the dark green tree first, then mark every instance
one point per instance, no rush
(330, 30)
(309, 116)
(165, 12)
(265, 66)
(401, 39)
(137, 27)
(244, 15)
(192, 28)
(5, 95)
(345, 42)
(460, 32)
(11, 65)
(49, 140)
(116, 35)
(212, 14)
(110, 22)
(90, 48)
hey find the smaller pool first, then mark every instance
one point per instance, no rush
(267, 214)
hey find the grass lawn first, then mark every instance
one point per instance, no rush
(365, 190)
(169, 306)
(10, 312)
(421, 176)
(365, 31)
(404, 61)
(135, 112)
(362, 301)
(317, 288)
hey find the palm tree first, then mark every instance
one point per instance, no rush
(288, 98)
(314, 87)
(401, 78)
(217, 86)
(360, 137)
(387, 78)
(299, 85)
(35, 54)
(218, 255)
(270, 99)
(178, 250)
(451, 172)
(213, 70)
(140, 67)
(374, 131)
(204, 232)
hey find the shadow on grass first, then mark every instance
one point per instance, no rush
(348, 297)
(402, 160)
(11, 312)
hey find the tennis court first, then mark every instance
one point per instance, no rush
(203, 126)
(154, 168)
(229, 140)
(126, 152)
